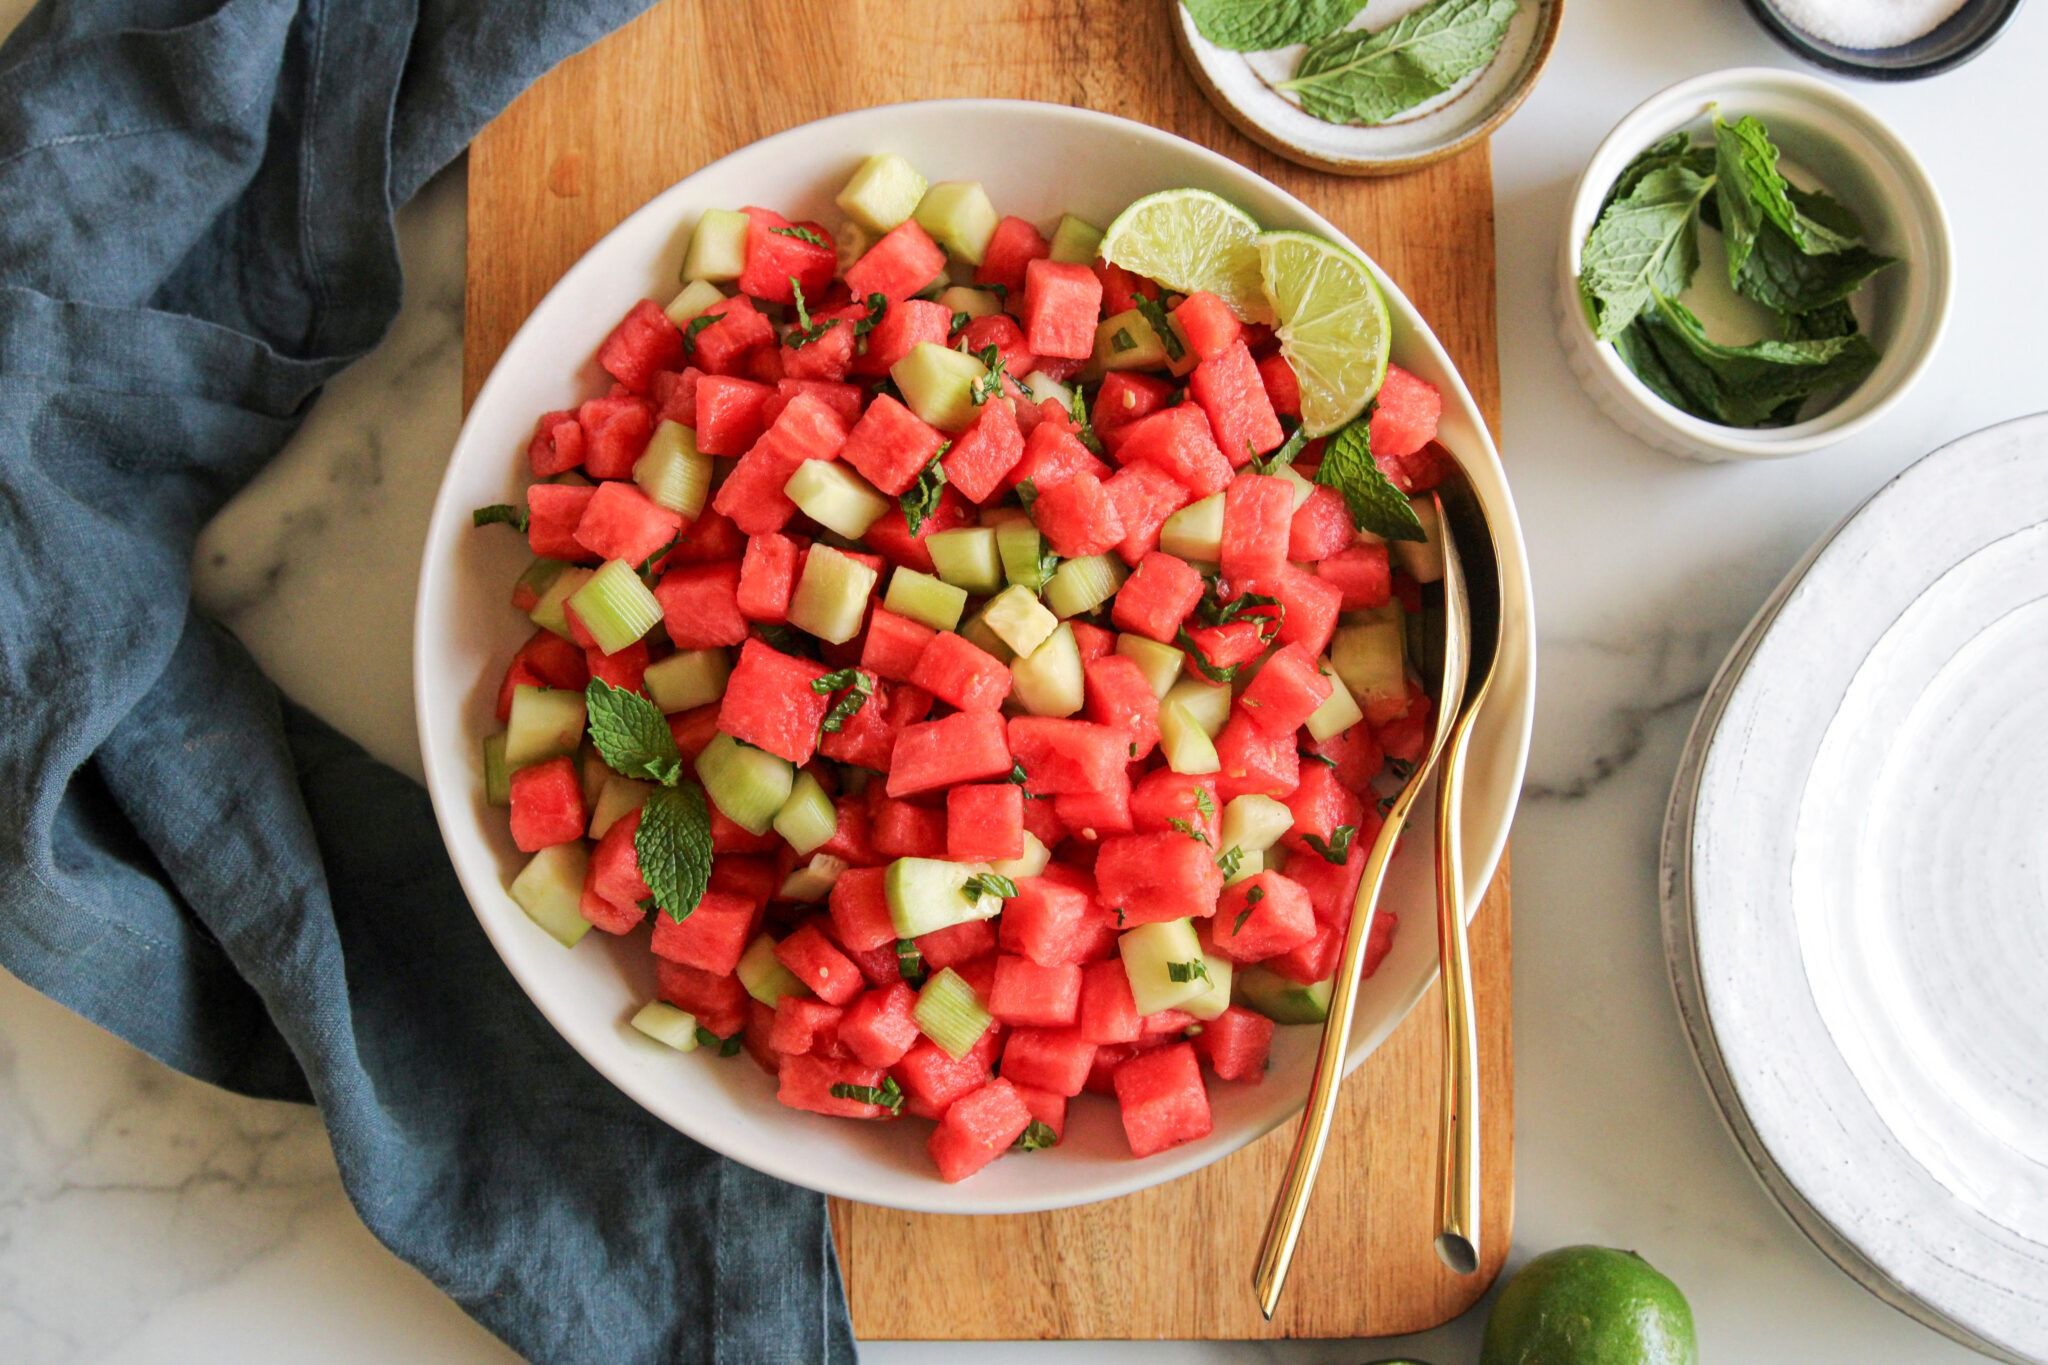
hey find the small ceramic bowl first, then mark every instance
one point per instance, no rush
(1845, 148)
(1961, 36)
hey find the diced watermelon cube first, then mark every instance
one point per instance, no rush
(1011, 247)
(1001, 331)
(547, 805)
(615, 865)
(1321, 527)
(890, 445)
(977, 1129)
(1404, 414)
(615, 432)
(719, 1002)
(1124, 397)
(1314, 960)
(1178, 440)
(555, 661)
(813, 959)
(961, 674)
(1162, 1099)
(1283, 387)
(961, 946)
(1157, 597)
(769, 703)
(824, 358)
(557, 445)
(1163, 796)
(902, 262)
(879, 1028)
(866, 739)
(1321, 806)
(1092, 642)
(1235, 1044)
(609, 916)
(1167, 1022)
(1332, 887)
(1207, 323)
(626, 669)
(1034, 994)
(1046, 1108)
(1055, 1059)
(894, 644)
(752, 495)
(727, 836)
(986, 451)
(1144, 496)
(700, 606)
(726, 345)
(1362, 574)
(1077, 517)
(968, 746)
(1066, 755)
(753, 880)
(1356, 753)
(1287, 691)
(933, 1080)
(891, 538)
(1121, 290)
(1061, 305)
(1255, 762)
(1048, 922)
(1258, 510)
(984, 822)
(1234, 399)
(1263, 916)
(1119, 696)
(1310, 604)
(806, 1082)
(1107, 1014)
(674, 393)
(729, 413)
(621, 522)
(783, 256)
(844, 399)
(1052, 454)
(711, 937)
(906, 323)
(803, 1025)
(693, 729)
(860, 910)
(754, 1035)
(1153, 877)
(1232, 643)
(767, 577)
(644, 342)
(518, 675)
(1094, 815)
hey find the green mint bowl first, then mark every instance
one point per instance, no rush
(1830, 141)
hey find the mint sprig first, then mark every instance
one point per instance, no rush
(673, 843)
(859, 687)
(1376, 505)
(1335, 849)
(631, 734)
(922, 498)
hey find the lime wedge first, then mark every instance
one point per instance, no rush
(1333, 325)
(1191, 240)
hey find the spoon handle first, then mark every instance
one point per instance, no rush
(1457, 1172)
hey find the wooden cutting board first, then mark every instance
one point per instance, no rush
(694, 79)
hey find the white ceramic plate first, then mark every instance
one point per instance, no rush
(1053, 158)
(1242, 87)
(1856, 894)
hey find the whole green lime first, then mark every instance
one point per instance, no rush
(1589, 1306)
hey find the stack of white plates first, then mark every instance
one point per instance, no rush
(1855, 889)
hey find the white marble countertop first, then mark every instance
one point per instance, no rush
(144, 1216)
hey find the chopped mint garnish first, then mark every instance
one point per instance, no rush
(505, 512)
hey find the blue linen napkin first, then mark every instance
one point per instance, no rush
(197, 236)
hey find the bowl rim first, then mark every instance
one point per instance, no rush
(447, 782)
(1658, 115)
(1834, 57)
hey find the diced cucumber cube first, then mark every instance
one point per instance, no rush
(764, 976)
(1281, 1000)
(835, 497)
(746, 783)
(882, 193)
(1213, 1001)
(697, 296)
(1253, 823)
(1371, 659)
(1423, 559)
(924, 598)
(927, 894)
(718, 247)
(1207, 703)
(1042, 386)
(937, 383)
(1195, 532)
(672, 472)
(1125, 341)
(1249, 864)
(1161, 664)
(950, 1014)
(975, 631)
(1019, 618)
(1339, 711)
(664, 1023)
(550, 890)
(1030, 863)
(814, 880)
(1076, 241)
(976, 303)
(1050, 682)
(546, 723)
(688, 678)
(497, 774)
(615, 606)
(807, 818)
(966, 557)
(1186, 745)
(832, 595)
(1082, 584)
(619, 797)
(547, 613)
(1302, 487)
(1151, 952)
(959, 216)
(1023, 552)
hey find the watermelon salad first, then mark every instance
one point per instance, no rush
(948, 652)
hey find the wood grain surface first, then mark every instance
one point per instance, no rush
(694, 79)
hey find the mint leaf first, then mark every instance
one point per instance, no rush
(1748, 191)
(988, 884)
(1376, 505)
(1027, 495)
(505, 512)
(1286, 453)
(631, 734)
(1256, 25)
(888, 1094)
(1761, 384)
(698, 324)
(1154, 314)
(1077, 409)
(1778, 275)
(1230, 860)
(1676, 150)
(877, 304)
(1036, 1136)
(646, 569)
(1363, 76)
(1645, 244)
(802, 234)
(1337, 848)
(673, 845)
(859, 688)
(990, 385)
(1205, 803)
(1215, 673)
(909, 962)
(922, 498)
(1187, 827)
(1183, 972)
(1834, 320)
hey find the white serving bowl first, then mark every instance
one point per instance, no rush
(1053, 158)
(1856, 158)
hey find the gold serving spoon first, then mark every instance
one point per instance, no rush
(1472, 593)
(1290, 1207)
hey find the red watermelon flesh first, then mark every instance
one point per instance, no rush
(615, 433)
(891, 445)
(902, 261)
(1154, 877)
(1144, 496)
(965, 747)
(860, 911)
(767, 577)
(547, 805)
(1404, 415)
(1001, 331)
(1124, 397)
(1107, 1012)
(1053, 1059)
(1288, 690)
(557, 445)
(879, 1028)
(553, 511)
(977, 1129)
(1011, 247)
(1255, 762)
(1053, 453)
(1207, 323)
(1061, 305)
(961, 674)
(644, 342)
(1257, 512)
(621, 522)
(1157, 597)
(903, 326)
(1162, 1099)
(1066, 755)
(769, 702)
(726, 345)
(1283, 387)
(1077, 517)
(752, 494)
(1034, 994)
(1321, 527)
(894, 644)
(1119, 697)
(1235, 1044)
(1263, 916)
(814, 960)
(1233, 397)
(783, 257)
(1178, 440)
(711, 937)
(807, 1082)
(700, 605)
(1163, 796)
(719, 1002)
(986, 451)
(985, 823)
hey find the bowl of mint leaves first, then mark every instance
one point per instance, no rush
(1367, 87)
(1754, 266)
